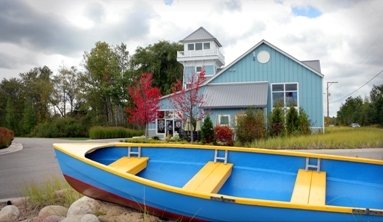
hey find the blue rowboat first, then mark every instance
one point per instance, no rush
(210, 183)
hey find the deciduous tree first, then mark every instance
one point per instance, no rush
(146, 99)
(66, 89)
(39, 89)
(159, 59)
(186, 102)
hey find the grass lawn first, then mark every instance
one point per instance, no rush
(334, 138)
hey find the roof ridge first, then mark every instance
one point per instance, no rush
(201, 29)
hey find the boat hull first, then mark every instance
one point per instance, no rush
(95, 180)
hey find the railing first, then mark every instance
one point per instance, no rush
(199, 53)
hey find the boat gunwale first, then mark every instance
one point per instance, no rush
(91, 147)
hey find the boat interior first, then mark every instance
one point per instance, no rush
(298, 179)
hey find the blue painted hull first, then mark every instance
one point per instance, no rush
(259, 188)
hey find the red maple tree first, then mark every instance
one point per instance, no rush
(187, 100)
(146, 99)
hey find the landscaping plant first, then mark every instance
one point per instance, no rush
(250, 126)
(276, 121)
(6, 137)
(207, 131)
(224, 135)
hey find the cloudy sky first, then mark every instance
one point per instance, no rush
(345, 35)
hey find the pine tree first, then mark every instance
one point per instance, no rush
(207, 131)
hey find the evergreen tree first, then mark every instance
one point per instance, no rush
(10, 119)
(29, 118)
(292, 121)
(304, 122)
(276, 121)
(207, 131)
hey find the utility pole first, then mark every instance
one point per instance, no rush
(328, 104)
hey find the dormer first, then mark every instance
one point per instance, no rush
(201, 49)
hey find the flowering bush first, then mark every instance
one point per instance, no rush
(224, 135)
(6, 137)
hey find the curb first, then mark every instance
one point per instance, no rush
(14, 147)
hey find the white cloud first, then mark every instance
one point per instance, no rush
(346, 36)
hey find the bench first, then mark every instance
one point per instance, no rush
(210, 178)
(309, 188)
(132, 165)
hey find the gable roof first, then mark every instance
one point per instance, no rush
(200, 35)
(307, 65)
(315, 64)
(236, 95)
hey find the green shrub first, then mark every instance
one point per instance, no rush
(250, 126)
(292, 121)
(60, 127)
(6, 137)
(207, 131)
(99, 132)
(224, 135)
(276, 122)
(304, 122)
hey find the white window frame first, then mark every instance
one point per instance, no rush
(191, 44)
(284, 91)
(219, 119)
(195, 46)
(198, 43)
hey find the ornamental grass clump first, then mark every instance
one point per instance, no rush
(52, 191)
(99, 132)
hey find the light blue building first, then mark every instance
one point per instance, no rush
(261, 77)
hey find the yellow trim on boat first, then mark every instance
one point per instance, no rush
(79, 150)
(256, 150)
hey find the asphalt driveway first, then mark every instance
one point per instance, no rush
(34, 163)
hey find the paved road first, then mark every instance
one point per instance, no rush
(36, 162)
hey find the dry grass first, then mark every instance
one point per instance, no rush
(52, 191)
(334, 138)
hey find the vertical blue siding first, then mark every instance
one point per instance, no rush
(209, 70)
(188, 72)
(280, 69)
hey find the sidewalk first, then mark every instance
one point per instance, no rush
(14, 147)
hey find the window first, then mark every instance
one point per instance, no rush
(285, 94)
(190, 46)
(187, 85)
(198, 46)
(198, 68)
(224, 119)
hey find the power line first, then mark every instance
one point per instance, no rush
(358, 88)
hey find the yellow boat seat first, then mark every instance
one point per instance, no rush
(210, 178)
(310, 188)
(132, 165)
